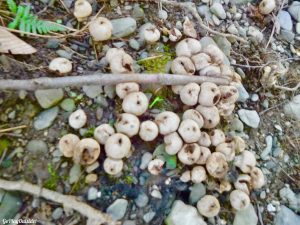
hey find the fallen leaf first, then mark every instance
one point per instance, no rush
(10, 43)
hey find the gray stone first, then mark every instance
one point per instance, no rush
(292, 108)
(49, 97)
(45, 118)
(138, 13)
(237, 125)
(285, 216)
(182, 214)
(74, 174)
(246, 217)
(101, 100)
(298, 28)
(197, 192)
(119, 44)
(294, 10)
(10, 204)
(110, 91)
(123, 27)
(162, 14)
(68, 105)
(141, 200)
(52, 43)
(134, 44)
(232, 29)
(249, 117)
(243, 94)
(254, 97)
(93, 194)
(146, 158)
(92, 91)
(268, 149)
(255, 35)
(285, 20)
(57, 213)
(216, 20)
(148, 216)
(64, 54)
(218, 10)
(117, 209)
(203, 10)
(293, 200)
(287, 35)
(223, 44)
(36, 147)
(129, 222)
(240, 2)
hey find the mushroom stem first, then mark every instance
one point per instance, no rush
(106, 79)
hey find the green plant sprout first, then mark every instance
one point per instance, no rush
(156, 101)
(51, 183)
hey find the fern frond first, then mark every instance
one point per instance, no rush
(12, 6)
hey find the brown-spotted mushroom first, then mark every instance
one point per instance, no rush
(193, 115)
(173, 143)
(245, 161)
(242, 183)
(148, 130)
(216, 165)
(209, 94)
(216, 55)
(198, 174)
(103, 132)
(217, 137)
(205, 153)
(123, 89)
(210, 116)
(189, 94)
(135, 103)
(174, 34)
(149, 33)
(201, 60)
(112, 166)
(239, 200)
(117, 146)
(257, 178)
(167, 122)
(204, 140)
(77, 119)
(210, 71)
(100, 29)
(229, 94)
(208, 206)
(182, 65)
(188, 47)
(189, 131)
(189, 154)
(128, 124)
(61, 66)
(225, 109)
(119, 61)
(67, 144)
(86, 151)
(226, 148)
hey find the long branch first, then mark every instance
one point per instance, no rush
(94, 216)
(105, 79)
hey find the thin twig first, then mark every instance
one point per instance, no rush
(287, 88)
(12, 128)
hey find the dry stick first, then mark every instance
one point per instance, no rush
(67, 201)
(106, 79)
(192, 8)
(12, 128)
(287, 88)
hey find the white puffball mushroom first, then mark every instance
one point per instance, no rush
(229, 94)
(127, 124)
(100, 29)
(176, 89)
(103, 132)
(217, 136)
(189, 154)
(239, 144)
(193, 115)
(189, 28)
(239, 200)
(182, 65)
(86, 151)
(208, 206)
(185, 176)
(174, 34)
(204, 140)
(242, 183)
(173, 143)
(201, 60)
(216, 165)
(224, 186)
(82, 10)
(245, 161)
(210, 71)
(123, 89)
(209, 94)
(189, 131)
(148, 130)
(60, 66)
(188, 47)
(189, 94)
(210, 116)
(155, 166)
(257, 178)
(119, 61)
(117, 146)
(135, 103)
(266, 6)
(167, 122)
(77, 119)
(149, 33)
(67, 144)
(205, 153)
(198, 174)
(225, 109)
(226, 148)
(113, 166)
(215, 53)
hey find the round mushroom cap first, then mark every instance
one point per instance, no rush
(128, 124)
(242, 183)
(67, 144)
(257, 178)
(60, 65)
(216, 54)
(103, 132)
(210, 116)
(189, 154)
(266, 6)
(217, 137)
(119, 61)
(201, 60)
(82, 9)
(245, 161)
(155, 166)
(86, 151)
(205, 153)
(216, 165)
(189, 28)
(210, 71)
(135, 103)
(117, 146)
(167, 122)
(182, 65)
(239, 200)
(225, 109)
(100, 29)
(77, 119)
(226, 71)
(173, 143)
(204, 140)
(174, 34)
(189, 131)
(229, 94)
(226, 148)
(198, 174)
(189, 94)
(185, 176)
(150, 33)
(209, 94)
(208, 206)
(113, 166)
(188, 47)
(148, 130)
(123, 89)
(176, 89)
(193, 115)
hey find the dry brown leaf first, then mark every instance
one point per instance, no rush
(9, 43)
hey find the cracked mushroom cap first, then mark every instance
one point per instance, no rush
(155, 166)
(198, 174)
(82, 10)
(216, 165)
(227, 149)
(210, 116)
(77, 119)
(193, 115)
(173, 143)
(60, 65)
(150, 33)
(217, 137)
(100, 29)
(210, 71)
(117, 146)
(148, 130)
(229, 94)
(167, 122)
(225, 109)
(216, 55)
(189, 154)
(103, 132)
(174, 34)
(266, 6)
(127, 124)
(245, 161)
(204, 140)
(257, 178)
(135, 103)
(242, 183)
(189, 131)
(208, 206)
(201, 60)
(119, 61)
(86, 151)
(188, 47)
(67, 144)
(124, 89)
(209, 94)
(239, 200)
(205, 153)
(113, 166)
(182, 65)
(189, 94)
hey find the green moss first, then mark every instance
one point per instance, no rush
(51, 183)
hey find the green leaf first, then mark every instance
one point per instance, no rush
(12, 6)
(4, 144)
(26, 12)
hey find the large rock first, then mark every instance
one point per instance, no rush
(292, 108)
(285, 20)
(10, 204)
(294, 10)
(182, 214)
(45, 118)
(123, 27)
(246, 217)
(249, 117)
(49, 97)
(286, 217)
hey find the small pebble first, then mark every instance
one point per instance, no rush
(91, 178)
(57, 213)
